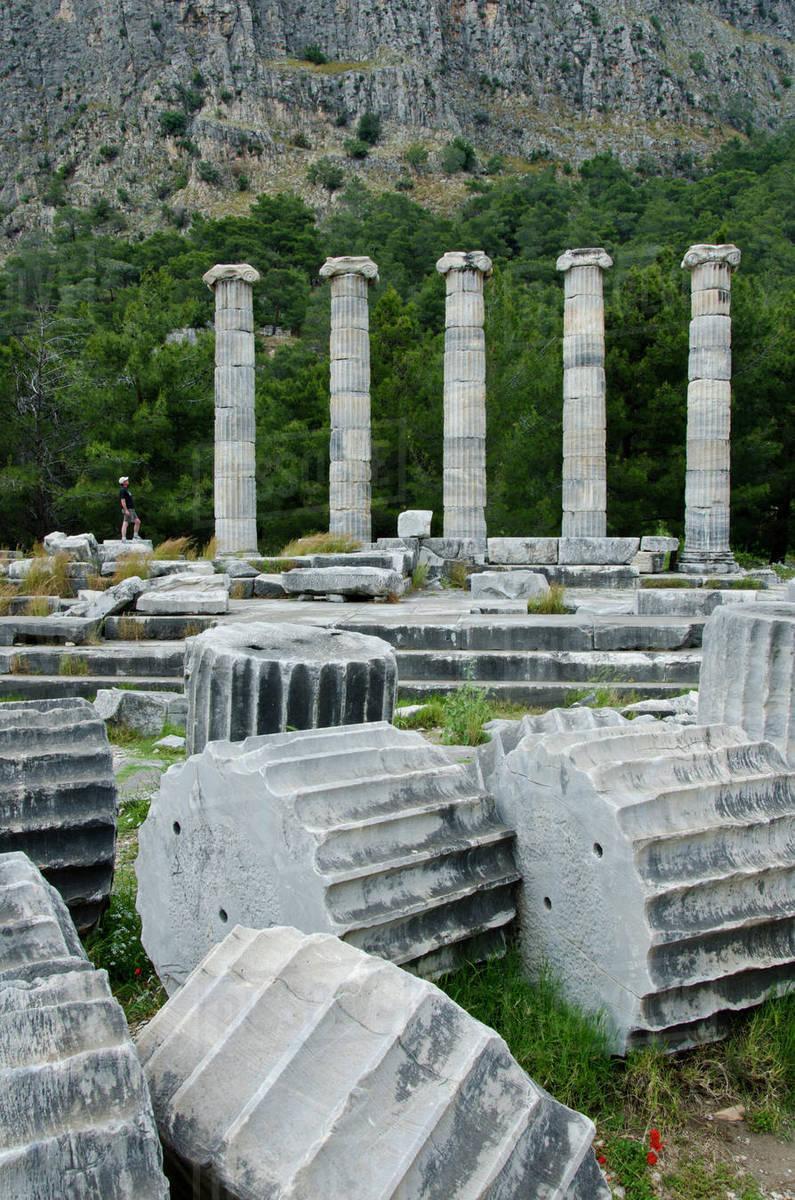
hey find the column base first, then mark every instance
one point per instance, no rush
(708, 564)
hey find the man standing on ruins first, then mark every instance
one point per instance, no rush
(128, 512)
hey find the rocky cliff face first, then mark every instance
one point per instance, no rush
(150, 101)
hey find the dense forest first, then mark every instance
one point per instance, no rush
(106, 351)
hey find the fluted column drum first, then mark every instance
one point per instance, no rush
(584, 391)
(350, 446)
(464, 395)
(708, 477)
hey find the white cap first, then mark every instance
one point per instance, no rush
(124, 479)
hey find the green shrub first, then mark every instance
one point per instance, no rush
(416, 155)
(368, 128)
(208, 172)
(458, 155)
(327, 174)
(466, 711)
(550, 602)
(172, 122)
(356, 148)
(419, 577)
(313, 54)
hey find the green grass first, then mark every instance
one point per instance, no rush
(419, 577)
(70, 664)
(700, 1180)
(466, 711)
(115, 946)
(321, 543)
(456, 575)
(144, 747)
(734, 585)
(601, 696)
(551, 602)
(275, 566)
(651, 581)
(133, 812)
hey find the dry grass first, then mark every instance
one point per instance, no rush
(72, 665)
(177, 547)
(7, 593)
(131, 630)
(19, 664)
(238, 590)
(210, 550)
(130, 565)
(456, 575)
(97, 583)
(551, 602)
(321, 543)
(37, 606)
(49, 577)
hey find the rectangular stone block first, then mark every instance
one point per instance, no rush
(235, 424)
(657, 544)
(240, 320)
(709, 363)
(464, 309)
(349, 342)
(350, 410)
(465, 453)
(350, 312)
(597, 551)
(464, 366)
(234, 387)
(347, 444)
(580, 495)
(234, 348)
(415, 523)
(523, 550)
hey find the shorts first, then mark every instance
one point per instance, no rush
(129, 515)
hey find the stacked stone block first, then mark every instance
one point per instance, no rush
(708, 477)
(584, 394)
(260, 678)
(464, 489)
(367, 832)
(349, 472)
(658, 866)
(748, 672)
(75, 1114)
(376, 1082)
(235, 466)
(58, 798)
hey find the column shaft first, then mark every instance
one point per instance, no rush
(584, 484)
(235, 490)
(350, 444)
(464, 490)
(708, 471)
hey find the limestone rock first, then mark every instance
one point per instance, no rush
(656, 544)
(235, 568)
(75, 1114)
(342, 581)
(686, 602)
(114, 548)
(597, 551)
(80, 546)
(657, 865)
(364, 831)
(261, 678)
(465, 548)
(269, 587)
(186, 593)
(507, 585)
(415, 522)
(113, 600)
(345, 1054)
(142, 711)
(555, 720)
(748, 672)
(647, 563)
(523, 550)
(179, 566)
(58, 798)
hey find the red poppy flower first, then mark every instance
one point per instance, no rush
(655, 1141)
(600, 1158)
(651, 1158)
(137, 971)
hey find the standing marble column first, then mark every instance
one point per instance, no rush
(235, 495)
(464, 395)
(708, 476)
(584, 410)
(349, 472)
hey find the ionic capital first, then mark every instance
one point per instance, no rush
(222, 272)
(464, 260)
(586, 256)
(698, 255)
(350, 264)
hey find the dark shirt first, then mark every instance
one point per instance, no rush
(124, 494)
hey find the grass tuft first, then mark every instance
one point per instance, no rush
(430, 716)
(456, 575)
(7, 593)
(131, 565)
(131, 630)
(176, 547)
(652, 581)
(321, 543)
(49, 577)
(70, 664)
(37, 606)
(115, 946)
(466, 711)
(419, 577)
(552, 602)
(734, 585)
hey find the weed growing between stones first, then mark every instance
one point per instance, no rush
(37, 606)
(7, 593)
(19, 664)
(144, 747)
(456, 575)
(115, 946)
(652, 581)
(430, 716)
(49, 577)
(177, 547)
(71, 665)
(321, 543)
(131, 565)
(466, 711)
(275, 566)
(734, 585)
(210, 549)
(131, 630)
(238, 590)
(551, 602)
(419, 577)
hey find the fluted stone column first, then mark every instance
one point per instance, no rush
(584, 412)
(464, 395)
(235, 479)
(708, 478)
(349, 472)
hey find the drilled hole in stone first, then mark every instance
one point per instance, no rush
(547, 902)
(177, 827)
(597, 849)
(222, 913)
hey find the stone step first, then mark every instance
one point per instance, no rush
(44, 687)
(536, 695)
(366, 831)
(533, 666)
(341, 1050)
(572, 632)
(139, 659)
